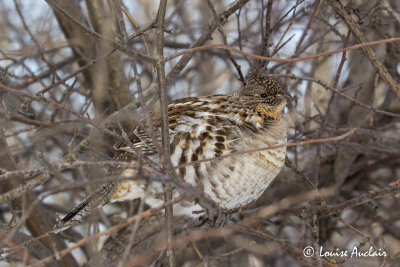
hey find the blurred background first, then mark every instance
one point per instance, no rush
(71, 72)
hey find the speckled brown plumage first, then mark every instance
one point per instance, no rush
(208, 127)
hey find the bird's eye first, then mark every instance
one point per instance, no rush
(263, 95)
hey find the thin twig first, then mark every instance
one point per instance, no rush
(345, 14)
(336, 138)
(160, 65)
(84, 241)
(223, 35)
(57, 105)
(339, 92)
(98, 36)
(220, 46)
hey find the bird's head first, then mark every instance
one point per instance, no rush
(267, 95)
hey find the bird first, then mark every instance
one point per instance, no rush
(201, 128)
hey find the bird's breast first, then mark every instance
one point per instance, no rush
(240, 179)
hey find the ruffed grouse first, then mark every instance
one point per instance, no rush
(201, 128)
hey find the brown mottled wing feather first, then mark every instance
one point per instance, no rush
(139, 140)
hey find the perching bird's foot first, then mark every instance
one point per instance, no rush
(214, 215)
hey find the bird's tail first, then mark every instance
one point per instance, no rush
(95, 200)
